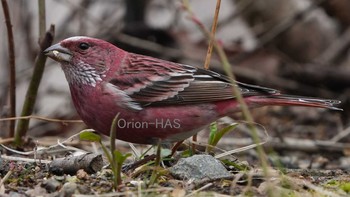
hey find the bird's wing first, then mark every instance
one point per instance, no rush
(151, 81)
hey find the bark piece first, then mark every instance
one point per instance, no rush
(90, 163)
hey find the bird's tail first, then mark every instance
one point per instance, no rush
(283, 99)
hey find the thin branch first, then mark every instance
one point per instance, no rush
(287, 23)
(6, 140)
(42, 19)
(273, 32)
(24, 159)
(6, 177)
(12, 66)
(293, 144)
(341, 135)
(31, 94)
(199, 190)
(337, 46)
(212, 35)
(209, 52)
(40, 118)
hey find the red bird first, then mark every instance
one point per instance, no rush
(156, 99)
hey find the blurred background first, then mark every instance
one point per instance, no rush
(299, 47)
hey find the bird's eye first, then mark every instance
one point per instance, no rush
(84, 46)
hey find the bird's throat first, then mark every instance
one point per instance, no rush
(82, 74)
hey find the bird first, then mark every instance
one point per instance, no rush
(157, 100)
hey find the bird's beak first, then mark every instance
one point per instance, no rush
(58, 53)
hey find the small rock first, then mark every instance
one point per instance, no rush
(36, 191)
(84, 189)
(14, 194)
(178, 192)
(199, 167)
(137, 183)
(60, 178)
(51, 185)
(69, 189)
(345, 162)
(81, 174)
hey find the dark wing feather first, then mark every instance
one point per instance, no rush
(151, 81)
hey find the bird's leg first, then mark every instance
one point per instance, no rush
(134, 165)
(175, 147)
(194, 139)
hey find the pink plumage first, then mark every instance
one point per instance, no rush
(156, 99)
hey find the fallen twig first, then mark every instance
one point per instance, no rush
(8, 174)
(41, 118)
(30, 160)
(341, 135)
(293, 144)
(89, 162)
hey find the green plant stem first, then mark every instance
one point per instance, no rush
(12, 66)
(115, 166)
(154, 175)
(108, 153)
(246, 113)
(31, 94)
(209, 53)
(113, 133)
(236, 92)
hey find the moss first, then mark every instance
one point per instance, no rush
(345, 187)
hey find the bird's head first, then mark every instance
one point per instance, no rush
(84, 60)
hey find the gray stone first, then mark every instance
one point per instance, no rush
(69, 189)
(51, 185)
(199, 167)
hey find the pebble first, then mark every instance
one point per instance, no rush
(199, 167)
